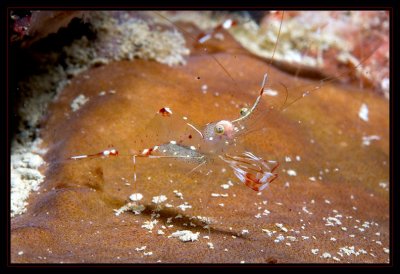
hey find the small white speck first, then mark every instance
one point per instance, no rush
(344, 228)
(366, 140)
(141, 248)
(314, 251)
(270, 92)
(20, 253)
(326, 255)
(363, 112)
(386, 250)
(210, 245)
(291, 172)
(136, 197)
(148, 253)
(186, 235)
(159, 199)
(78, 102)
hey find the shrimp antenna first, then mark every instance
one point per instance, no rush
(328, 79)
(286, 97)
(250, 111)
(205, 49)
(276, 43)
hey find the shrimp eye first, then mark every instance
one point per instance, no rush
(244, 111)
(219, 129)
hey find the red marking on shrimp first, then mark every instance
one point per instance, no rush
(251, 170)
(148, 151)
(165, 111)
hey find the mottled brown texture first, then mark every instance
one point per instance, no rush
(72, 218)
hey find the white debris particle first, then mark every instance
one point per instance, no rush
(226, 249)
(336, 259)
(141, 248)
(160, 232)
(377, 233)
(244, 232)
(312, 179)
(206, 237)
(266, 212)
(386, 250)
(268, 232)
(148, 253)
(242, 262)
(331, 221)
(363, 112)
(78, 102)
(288, 244)
(215, 195)
(159, 199)
(168, 205)
(284, 229)
(225, 186)
(327, 201)
(298, 158)
(186, 235)
(258, 216)
(149, 225)
(288, 159)
(314, 251)
(134, 207)
(279, 238)
(384, 185)
(102, 93)
(333, 239)
(136, 197)
(351, 235)
(291, 238)
(210, 245)
(184, 206)
(270, 92)
(306, 210)
(305, 237)
(291, 172)
(221, 204)
(287, 184)
(326, 255)
(178, 194)
(25, 175)
(379, 242)
(366, 140)
(21, 253)
(344, 228)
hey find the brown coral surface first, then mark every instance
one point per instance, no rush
(334, 209)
